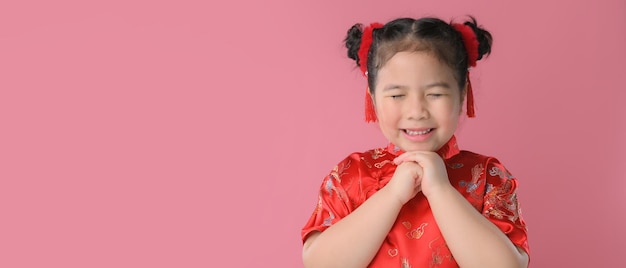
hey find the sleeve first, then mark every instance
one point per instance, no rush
(333, 198)
(501, 205)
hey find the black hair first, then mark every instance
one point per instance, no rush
(426, 34)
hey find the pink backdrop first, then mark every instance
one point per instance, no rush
(187, 134)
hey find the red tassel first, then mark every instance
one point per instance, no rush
(470, 98)
(370, 111)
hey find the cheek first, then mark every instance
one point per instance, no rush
(455, 106)
(458, 109)
(451, 111)
(386, 110)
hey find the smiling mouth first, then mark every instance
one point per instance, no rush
(418, 132)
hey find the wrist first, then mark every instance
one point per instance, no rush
(439, 190)
(386, 193)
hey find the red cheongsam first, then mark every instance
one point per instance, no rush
(415, 239)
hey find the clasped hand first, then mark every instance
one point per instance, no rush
(418, 171)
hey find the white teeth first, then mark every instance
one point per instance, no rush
(410, 132)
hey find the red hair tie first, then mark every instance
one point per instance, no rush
(364, 49)
(471, 46)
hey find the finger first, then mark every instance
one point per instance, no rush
(408, 156)
(402, 158)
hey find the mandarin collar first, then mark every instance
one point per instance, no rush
(447, 151)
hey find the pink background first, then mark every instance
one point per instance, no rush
(194, 134)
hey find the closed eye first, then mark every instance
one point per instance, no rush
(435, 95)
(396, 96)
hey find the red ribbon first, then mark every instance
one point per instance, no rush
(470, 42)
(364, 49)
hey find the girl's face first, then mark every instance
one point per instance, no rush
(418, 101)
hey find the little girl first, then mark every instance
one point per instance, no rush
(420, 201)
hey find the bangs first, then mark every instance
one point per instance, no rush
(441, 50)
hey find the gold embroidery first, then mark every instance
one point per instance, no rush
(474, 184)
(335, 175)
(392, 252)
(500, 204)
(440, 251)
(378, 153)
(405, 263)
(367, 163)
(417, 232)
(337, 172)
(381, 164)
(318, 208)
(477, 171)
(495, 171)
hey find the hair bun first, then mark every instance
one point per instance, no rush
(353, 41)
(484, 38)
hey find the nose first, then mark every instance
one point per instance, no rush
(416, 108)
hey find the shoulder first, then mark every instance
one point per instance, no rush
(494, 169)
(362, 168)
(490, 162)
(364, 162)
(354, 175)
(469, 156)
(465, 161)
(498, 179)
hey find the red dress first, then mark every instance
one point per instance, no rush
(415, 239)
